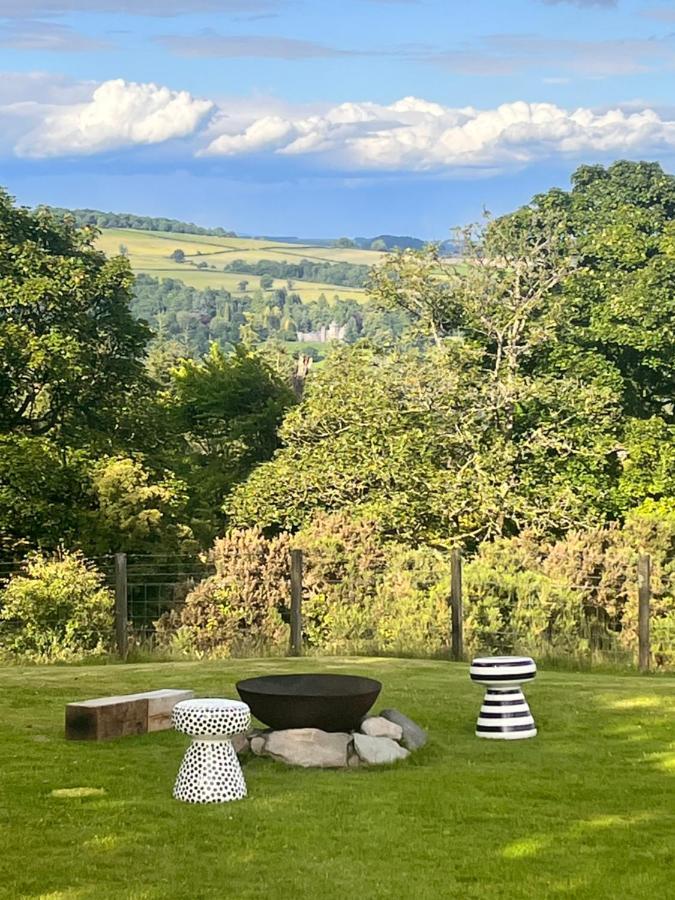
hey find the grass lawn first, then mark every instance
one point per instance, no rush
(585, 810)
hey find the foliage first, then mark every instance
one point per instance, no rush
(239, 608)
(56, 608)
(99, 219)
(577, 594)
(187, 316)
(343, 563)
(414, 441)
(70, 350)
(572, 597)
(187, 320)
(409, 613)
(322, 271)
(137, 511)
(42, 493)
(227, 410)
(621, 298)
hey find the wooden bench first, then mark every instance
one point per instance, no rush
(113, 717)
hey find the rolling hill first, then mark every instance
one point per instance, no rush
(206, 256)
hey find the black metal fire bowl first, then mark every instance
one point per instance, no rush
(328, 702)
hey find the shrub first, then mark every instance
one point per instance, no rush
(239, 609)
(364, 593)
(410, 610)
(56, 608)
(343, 563)
(245, 606)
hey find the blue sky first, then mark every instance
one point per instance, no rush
(311, 117)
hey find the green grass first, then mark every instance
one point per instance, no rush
(585, 810)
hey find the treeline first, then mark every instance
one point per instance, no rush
(100, 219)
(186, 320)
(341, 273)
(388, 242)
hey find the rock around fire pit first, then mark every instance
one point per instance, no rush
(381, 739)
(327, 702)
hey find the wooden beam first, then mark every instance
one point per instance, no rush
(111, 717)
(457, 615)
(121, 610)
(644, 573)
(296, 602)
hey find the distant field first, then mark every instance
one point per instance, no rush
(150, 252)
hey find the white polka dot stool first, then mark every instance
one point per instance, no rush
(504, 714)
(210, 771)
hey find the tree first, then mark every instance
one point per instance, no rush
(417, 282)
(178, 255)
(242, 286)
(229, 408)
(123, 250)
(70, 349)
(137, 510)
(621, 296)
(351, 333)
(346, 243)
(42, 493)
(266, 282)
(379, 245)
(414, 441)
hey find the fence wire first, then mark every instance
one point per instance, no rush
(597, 626)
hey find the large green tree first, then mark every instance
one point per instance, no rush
(70, 349)
(225, 411)
(620, 300)
(414, 440)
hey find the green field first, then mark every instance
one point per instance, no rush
(150, 252)
(586, 810)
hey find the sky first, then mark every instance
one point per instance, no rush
(320, 119)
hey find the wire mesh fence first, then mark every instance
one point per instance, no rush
(597, 624)
(149, 587)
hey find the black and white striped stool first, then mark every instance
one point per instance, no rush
(504, 714)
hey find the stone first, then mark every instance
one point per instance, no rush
(414, 737)
(257, 744)
(308, 747)
(375, 751)
(241, 743)
(378, 726)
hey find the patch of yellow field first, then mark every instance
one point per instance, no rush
(223, 250)
(205, 278)
(150, 254)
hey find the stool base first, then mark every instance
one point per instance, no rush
(505, 715)
(210, 773)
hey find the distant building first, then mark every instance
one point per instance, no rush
(326, 333)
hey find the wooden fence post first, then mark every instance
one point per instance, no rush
(644, 567)
(296, 602)
(121, 610)
(457, 622)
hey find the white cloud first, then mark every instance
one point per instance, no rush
(44, 117)
(119, 114)
(416, 135)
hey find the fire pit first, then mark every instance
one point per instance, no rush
(328, 702)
